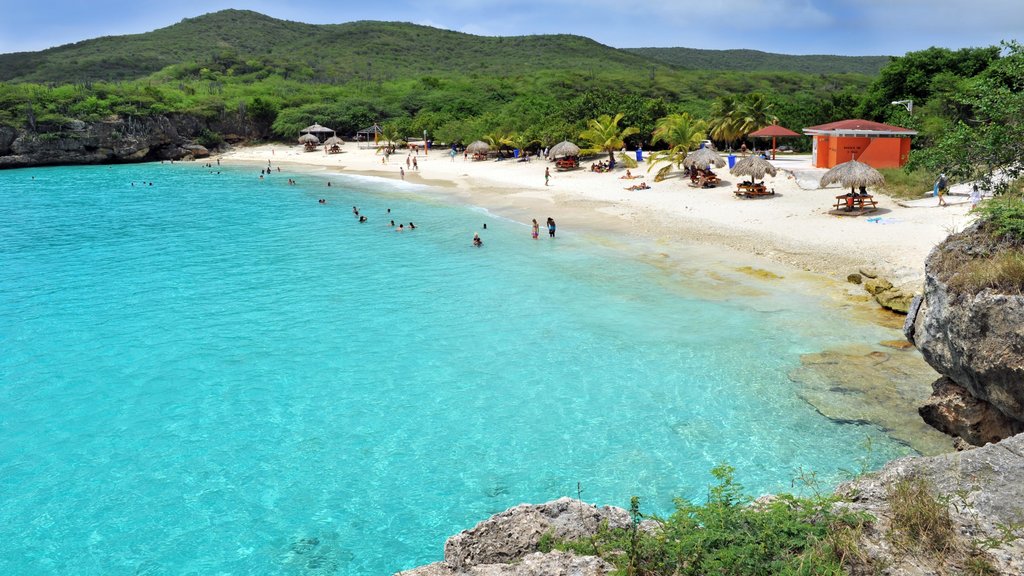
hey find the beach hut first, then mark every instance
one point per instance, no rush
(478, 149)
(364, 136)
(873, 143)
(702, 158)
(773, 131)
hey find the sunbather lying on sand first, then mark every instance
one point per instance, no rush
(640, 186)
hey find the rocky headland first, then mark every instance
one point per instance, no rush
(111, 141)
(973, 336)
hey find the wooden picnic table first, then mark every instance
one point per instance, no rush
(854, 205)
(752, 190)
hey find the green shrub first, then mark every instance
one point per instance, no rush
(1005, 216)
(209, 138)
(731, 535)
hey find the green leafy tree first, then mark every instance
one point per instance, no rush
(604, 135)
(681, 133)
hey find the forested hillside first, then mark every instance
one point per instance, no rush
(757, 61)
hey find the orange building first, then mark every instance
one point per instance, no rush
(873, 143)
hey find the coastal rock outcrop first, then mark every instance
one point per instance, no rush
(115, 140)
(980, 489)
(973, 338)
(885, 294)
(508, 543)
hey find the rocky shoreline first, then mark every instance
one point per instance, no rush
(112, 141)
(980, 487)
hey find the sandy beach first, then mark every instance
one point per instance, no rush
(792, 228)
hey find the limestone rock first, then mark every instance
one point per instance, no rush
(894, 299)
(854, 278)
(536, 564)
(516, 532)
(954, 411)
(876, 285)
(983, 491)
(869, 272)
(976, 340)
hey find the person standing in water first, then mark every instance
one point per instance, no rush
(551, 227)
(476, 240)
(536, 229)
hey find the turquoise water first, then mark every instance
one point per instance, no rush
(216, 375)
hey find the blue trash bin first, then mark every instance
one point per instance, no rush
(515, 152)
(732, 160)
(639, 155)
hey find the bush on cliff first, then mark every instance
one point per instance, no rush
(988, 255)
(730, 534)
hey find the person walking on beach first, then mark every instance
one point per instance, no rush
(975, 196)
(942, 185)
(536, 229)
(415, 165)
(551, 227)
(408, 161)
(402, 172)
(547, 175)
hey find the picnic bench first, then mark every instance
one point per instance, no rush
(479, 156)
(567, 164)
(854, 205)
(753, 190)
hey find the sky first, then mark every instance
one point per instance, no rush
(851, 27)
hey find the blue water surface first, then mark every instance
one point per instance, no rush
(217, 375)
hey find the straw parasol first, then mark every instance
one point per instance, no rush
(852, 174)
(564, 148)
(334, 141)
(703, 157)
(316, 129)
(755, 167)
(773, 131)
(478, 147)
(309, 139)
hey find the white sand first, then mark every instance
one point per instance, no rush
(792, 228)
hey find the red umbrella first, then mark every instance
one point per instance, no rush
(774, 131)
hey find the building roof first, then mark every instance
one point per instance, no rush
(857, 127)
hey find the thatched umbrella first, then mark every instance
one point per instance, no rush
(755, 167)
(333, 141)
(564, 148)
(478, 147)
(702, 158)
(309, 139)
(852, 174)
(316, 129)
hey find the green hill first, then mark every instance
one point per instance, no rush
(757, 61)
(245, 42)
(326, 53)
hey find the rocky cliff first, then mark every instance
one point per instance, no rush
(980, 490)
(974, 339)
(111, 141)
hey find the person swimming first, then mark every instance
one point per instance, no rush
(362, 219)
(412, 226)
(477, 242)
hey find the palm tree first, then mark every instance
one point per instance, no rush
(497, 139)
(604, 135)
(390, 134)
(723, 125)
(755, 113)
(733, 118)
(519, 141)
(682, 133)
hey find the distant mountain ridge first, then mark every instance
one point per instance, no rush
(757, 61)
(375, 50)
